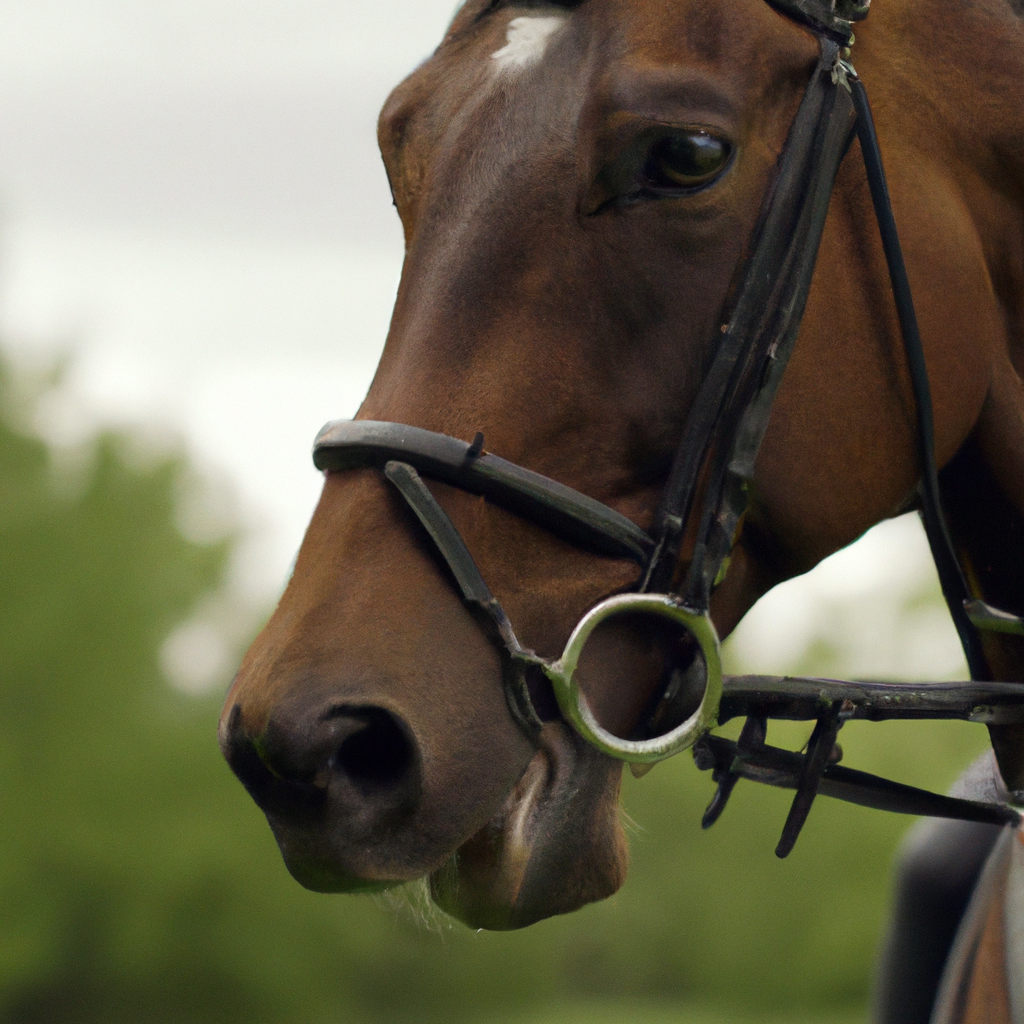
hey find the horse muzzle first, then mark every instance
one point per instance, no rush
(333, 782)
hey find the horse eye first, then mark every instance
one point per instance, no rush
(685, 160)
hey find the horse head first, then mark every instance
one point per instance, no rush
(579, 186)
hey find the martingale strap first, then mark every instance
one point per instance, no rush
(705, 496)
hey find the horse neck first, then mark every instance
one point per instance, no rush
(950, 76)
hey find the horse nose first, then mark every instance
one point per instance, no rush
(377, 754)
(354, 762)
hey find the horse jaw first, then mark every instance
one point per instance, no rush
(556, 845)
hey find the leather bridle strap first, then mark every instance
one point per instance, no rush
(575, 517)
(516, 659)
(785, 769)
(728, 419)
(832, 18)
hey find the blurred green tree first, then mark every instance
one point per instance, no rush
(138, 883)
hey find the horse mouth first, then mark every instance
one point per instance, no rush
(481, 882)
(552, 843)
(555, 845)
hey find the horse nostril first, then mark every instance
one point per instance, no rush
(378, 756)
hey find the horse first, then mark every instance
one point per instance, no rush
(586, 188)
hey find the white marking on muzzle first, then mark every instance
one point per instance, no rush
(526, 41)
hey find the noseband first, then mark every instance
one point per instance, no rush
(705, 497)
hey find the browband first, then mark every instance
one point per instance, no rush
(825, 17)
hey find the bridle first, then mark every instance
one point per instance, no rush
(704, 500)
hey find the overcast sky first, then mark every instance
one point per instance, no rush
(192, 204)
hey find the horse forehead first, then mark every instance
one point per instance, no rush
(703, 27)
(657, 32)
(706, 32)
(529, 70)
(517, 152)
(556, 62)
(526, 40)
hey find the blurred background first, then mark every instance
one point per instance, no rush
(198, 256)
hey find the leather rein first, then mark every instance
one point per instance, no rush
(706, 495)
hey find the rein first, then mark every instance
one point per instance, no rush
(704, 501)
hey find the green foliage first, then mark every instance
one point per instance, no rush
(139, 883)
(674, 1012)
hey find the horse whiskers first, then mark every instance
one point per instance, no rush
(411, 901)
(630, 825)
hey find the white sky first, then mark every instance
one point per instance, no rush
(192, 204)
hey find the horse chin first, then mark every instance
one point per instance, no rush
(556, 845)
(317, 878)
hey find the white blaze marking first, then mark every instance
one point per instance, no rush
(526, 41)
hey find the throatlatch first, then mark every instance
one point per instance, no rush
(704, 499)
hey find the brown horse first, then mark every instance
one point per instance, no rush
(566, 275)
